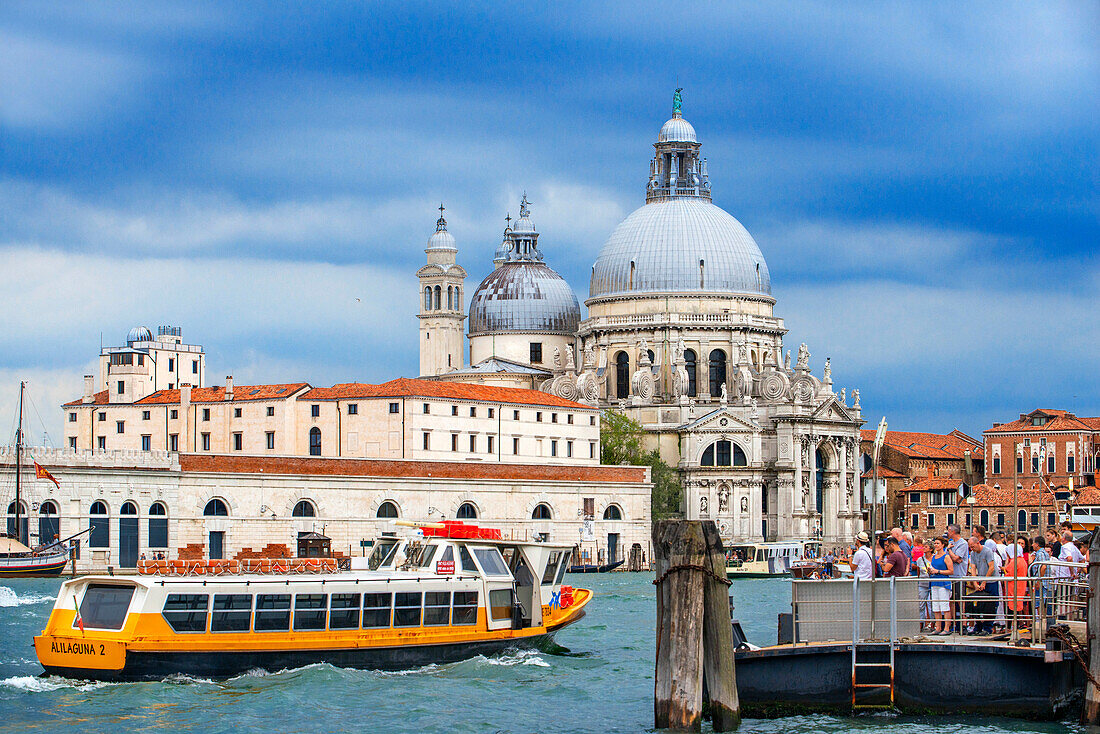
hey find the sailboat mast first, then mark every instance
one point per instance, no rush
(19, 465)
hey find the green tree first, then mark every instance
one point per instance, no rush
(621, 443)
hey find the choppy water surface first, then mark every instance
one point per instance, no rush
(604, 683)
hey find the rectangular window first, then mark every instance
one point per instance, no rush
(272, 612)
(376, 610)
(489, 448)
(120, 426)
(968, 524)
(931, 520)
(426, 409)
(104, 606)
(406, 608)
(591, 420)
(171, 364)
(269, 436)
(464, 608)
(173, 442)
(454, 442)
(194, 367)
(473, 411)
(515, 446)
(121, 387)
(174, 414)
(427, 440)
(553, 417)
(206, 442)
(492, 412)
(569, 449)
(395, 407)
(1034, 464)
(102, 415)
(536, 352)
(146, 443)
(232, 613)
(72, 442)
(270, 410)
(238, 441)
(145, 415)
(473, 443)
(1050, 464)
(569, 419)
(141, 360)
(454, 410)
(236, 412)
(592, 450)
(914, 498)
(1050, 519)
(1000, 519)
(315, 410)
(206, 414)
(1035, 519)
(996, 464)
(553, 448)
(500, 603)
(1071, 465)
(72, 417)
(538, 417)
(1019, 465)
(310, 611)
(950, 518)
(186, 612)
(344, 612)
(101, 442)
(437, 608)
(515, 415)
(915, 522)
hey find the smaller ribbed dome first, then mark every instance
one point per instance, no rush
(677, 130)
(139, 334)
(441, 239)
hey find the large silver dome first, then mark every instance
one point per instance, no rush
(526, 296)
(680, 245)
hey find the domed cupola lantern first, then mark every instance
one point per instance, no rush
(441, 310)
(676, 169)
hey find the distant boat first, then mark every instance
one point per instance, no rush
(595, 568)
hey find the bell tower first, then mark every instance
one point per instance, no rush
(441, 304)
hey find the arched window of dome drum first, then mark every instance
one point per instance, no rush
(427, 298)
(49, 525)
(450, 298)
(717, 372)
(612, 513)
(819, 480)
(630, 285)
(622, 375)
(315, 441)
(701, 281)
(303, 508)
(438, 297)
(692, 369)
(723, 453)
(467, 511)
(541, 512)
(386, 510)
(216, 508)
(158, 525)
(100, 536)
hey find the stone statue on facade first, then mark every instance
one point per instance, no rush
(557, 358)
(744, 504)
(589, 356)
(570, 364)
(723, 499)
(855, 399)
(787, 361)
(828, 370)
(803, 357)
(725, 395)
(704, 506)
(843, 396)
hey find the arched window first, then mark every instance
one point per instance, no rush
(983, 519)
(1021, 522)
(100, 536)
(387, 510)
(158, 525)
(630, 285)
(304, 508)
(541, 512)
(717, 372)
(458, 298)
(427, 298)
(315, 441)
(819, 479)
(450, 298)
(216, 508)
(724, 453)
(438, 297)
(467, 511)
(128, 508)
(49, 525)
(690, 364)
(23, 523)
(612, 513)
(701, 274)
(622, 375)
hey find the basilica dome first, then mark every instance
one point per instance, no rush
(679, 242)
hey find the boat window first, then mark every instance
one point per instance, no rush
(406, 609)
(551, 568)
(467, 560)
(427, 555)
(465, 608)
(437, 608)
(309, 611)
(490, 560)
(104, 606)
(186, 612)
(376, 610)
(232, 613)
(344, 612)
(382, 555)
(562, 569)
(1096, 510)
(522, 572)
(500, 603)
(272, 612)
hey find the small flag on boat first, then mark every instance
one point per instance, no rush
(79, 619)
(41, 472)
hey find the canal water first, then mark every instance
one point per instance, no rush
(604, 683)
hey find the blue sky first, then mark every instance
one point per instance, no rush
(922, 179)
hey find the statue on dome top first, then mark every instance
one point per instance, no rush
(677, 101)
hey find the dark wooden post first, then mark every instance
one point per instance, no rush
(694, 635)
(1090, 714)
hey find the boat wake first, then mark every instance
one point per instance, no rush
(35, 684)
(519, 657)
(8, 598)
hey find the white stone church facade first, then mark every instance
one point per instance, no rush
(680, 335)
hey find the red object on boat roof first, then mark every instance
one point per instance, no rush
(460, 530)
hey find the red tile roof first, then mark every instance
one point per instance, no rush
(217, 394)
(100, 398)
(1088, 496)
(934, 483)
(406, 387)
(883, 473)
(316, 466)
(988, 496)
(1059, 420)
(930, 445)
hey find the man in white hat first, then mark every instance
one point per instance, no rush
(862, 560)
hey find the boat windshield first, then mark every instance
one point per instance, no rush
(743, 553)
(491, 561)
(383, 554)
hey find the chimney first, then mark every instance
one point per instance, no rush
(229, 387)
(89, 389)
(185, 415)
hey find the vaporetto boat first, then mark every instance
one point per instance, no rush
(454, 593)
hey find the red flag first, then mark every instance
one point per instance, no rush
(41, 472)
(79, 619)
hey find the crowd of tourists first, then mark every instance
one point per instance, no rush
(997, 565)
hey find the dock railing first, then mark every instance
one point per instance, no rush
(907, 607)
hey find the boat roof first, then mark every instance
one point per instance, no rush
(11, 545)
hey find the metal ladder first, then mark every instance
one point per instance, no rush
(873, 661)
